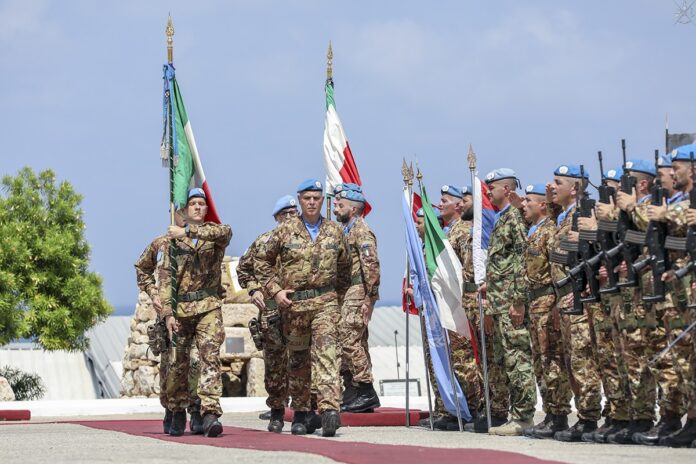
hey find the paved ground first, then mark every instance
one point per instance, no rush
(58, 443)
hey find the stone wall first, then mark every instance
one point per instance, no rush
(242, 364)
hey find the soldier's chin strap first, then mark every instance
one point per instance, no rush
(671, 345)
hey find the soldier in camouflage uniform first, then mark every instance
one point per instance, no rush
(356, 311)
(575, 329)
(545, 330)
(200, 249)
(506, 292)
(274, 351)
(148, 271)
(314, 274)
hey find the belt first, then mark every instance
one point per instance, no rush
(197, 295)
(677, 323)
(271, 304)
(631, 323)
(309, 293)
(561, 292)
(356, 280)
(470, 287)
(539, 292)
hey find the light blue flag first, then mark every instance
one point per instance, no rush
(437, 342)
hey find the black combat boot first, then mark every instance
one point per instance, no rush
(559, 423)
(167, 422)
(425, 422)
(330, 422)
(313, 422)
(350, 391)
(299, 423)
(196, 423)
(365, 401)
(589, 437)
(480, 425)
(575, 432)
(266, 415)
(178, 424)
(683, 437)
(211, 426)
(669, 423)
(529, 431)
(276, 423)
(625, 435)
(601, 435)
(442, 422)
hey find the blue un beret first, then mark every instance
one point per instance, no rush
(614, 174)
(535, 189)
(421, 213)
(467, 190)
(451, 190)
(310, 185)
(349, 186)
(646, 167)
(665, 161)
(683, 153)
(569, 170)
(284, 202)
(500, 174)
(196, 193)
(351, 195)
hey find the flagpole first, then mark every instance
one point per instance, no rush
(424, 338)
(407, 173)
(329, 81)
(471, 157)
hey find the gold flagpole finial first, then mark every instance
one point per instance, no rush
(471, 157)
(329, 64)
(170, 34)
(407, 173)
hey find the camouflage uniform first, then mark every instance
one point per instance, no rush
(577, 339)
(506, 285)
(359, 300)
(198, 313)
(547, 347)
(319, 273)
(275, 353)
(148, 265)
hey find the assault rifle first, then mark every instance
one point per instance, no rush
(606, 235)
(657, 258)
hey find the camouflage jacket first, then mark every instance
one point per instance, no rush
(461, 240)
(505, 271)
(364, 261)
(245, 269)
(538, 264)
(199, 268)
(305, 264)
(148, 263)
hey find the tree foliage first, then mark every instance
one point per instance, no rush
(47, 293)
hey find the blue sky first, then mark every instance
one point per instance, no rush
(530, 84)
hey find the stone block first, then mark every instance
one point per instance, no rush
(237, 339)
(6, 393)
(255, 374)
(238, 315)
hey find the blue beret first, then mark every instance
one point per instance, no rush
(535, 189)
(196, 193)
(570, 170)
(646, 167)
(349, 186)
(683, 153)
(451, 190)
(665, 161)
(310, 185)
(467, 190)
(284, 202)
(614, 174)
(500, 174)
(420, 212)
(351, 195)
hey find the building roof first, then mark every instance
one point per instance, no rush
(105, 354)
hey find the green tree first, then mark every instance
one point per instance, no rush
(47, 293)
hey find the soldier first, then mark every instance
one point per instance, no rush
(274, 350)
(506, 293)
(200, 249)
(149, 264)
(358, 303)
(314, 274)
(575, 329)
(545, 331)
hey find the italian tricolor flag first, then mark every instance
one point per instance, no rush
(338, 159)
(444, 272)
(188, 170)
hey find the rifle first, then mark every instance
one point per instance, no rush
(629, 240)
(657, 258)
(606, 235)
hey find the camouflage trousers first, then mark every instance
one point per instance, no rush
(207, 332)
(275, 356)
(313, 355)
(691, 385)
(610, 359)
(510, 364)
(581, 361)
(548, 357)
(353, 337)
(164, 368)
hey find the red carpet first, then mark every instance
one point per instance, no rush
(382, 417)
(348, 452)
(15, 414)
